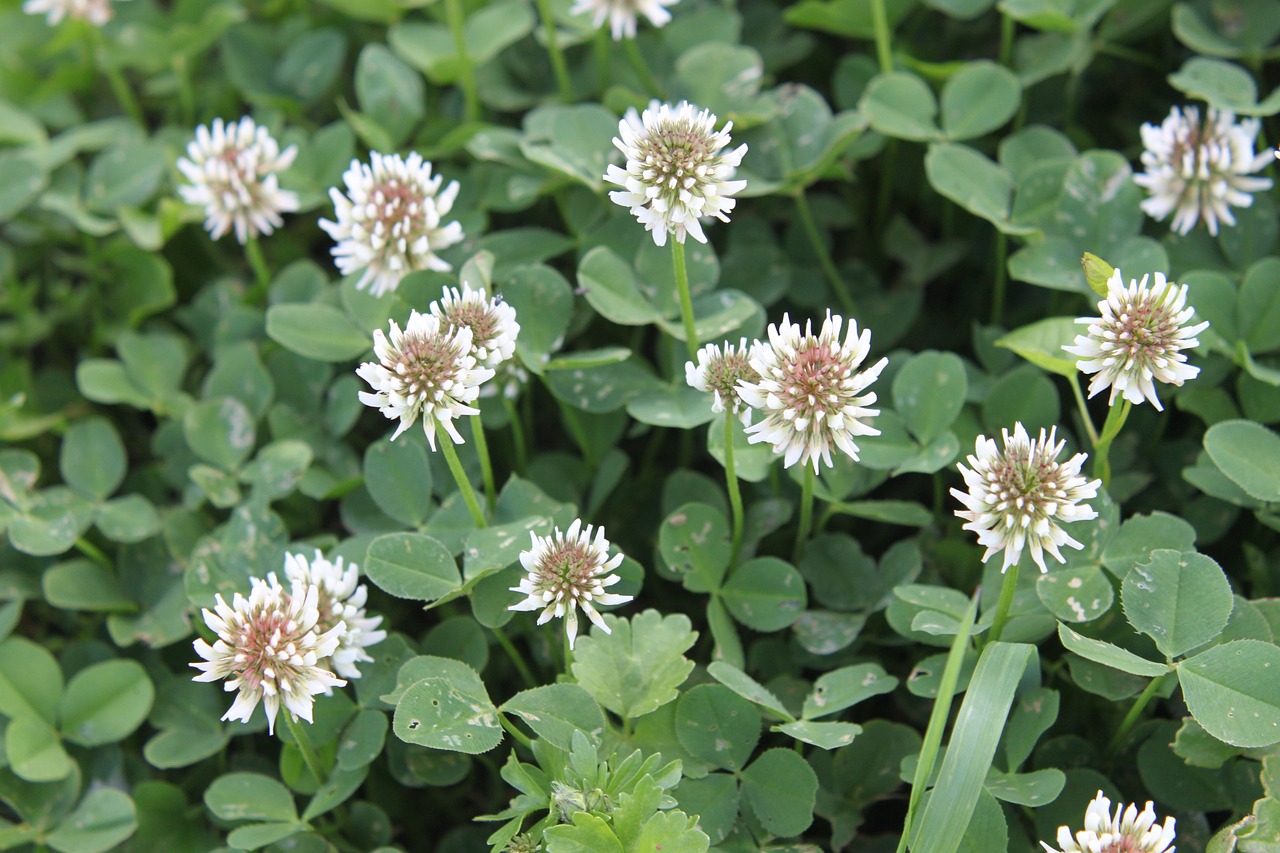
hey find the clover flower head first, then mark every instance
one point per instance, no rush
(270, 649)
(1126, 831)
(427, 370)
(391, 220)
(233, 173)
(676, 170)
(1020, 497)
(96, 12)
(719, 373)
(567, 571)
(340, 601)
(621, 14)
(491, 320)
(1138, 339)
(810, 391)
(1200, 170)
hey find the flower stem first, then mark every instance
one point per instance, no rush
(516, 658)
(806, 514)
(261, 274)
(459, 476)
(1084, 411)
(880, 20)
(604, 59)
(1139, 705)
(517, 432)
(997, 290)
(1006, 39)
(636, 58)
(93, 552)
(303, 742)
(486, 466)
(514, 732)
(119, 86)
(553, 50)
(686, 301)
(828, 265)
(735, 492)
(1116, 416)
(466, 71)
(568, 656)
(1002, 606)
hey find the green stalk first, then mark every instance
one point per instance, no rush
(516, 658)
(119, 86)
(828, 265)
(568, 656)
(558, 64)
(686, 301)
(517, 432)
(806, 514)
(93, 552)
(466, 71)
(997, 292)
(261, 274)
(636, 58)
(303, 742)
(1084, 410)
(1006, 40)
(1007, 590)
(880, 20)
(1116, 416)
(486, 467)
(735, 491)
(1139, 705)
(459, 476)
(514, 732)
(604, 59)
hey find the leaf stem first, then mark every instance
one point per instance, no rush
(1139, 705)
(604, 59)
(93, 552)
(806, 514)
(636, 58)
(513, 653)
(486, 466)
(558, 64)
(1116, 416)
(517, 432)
(459, 476)
(303, 742)
(514, 732)
(884, 49)
(1089, 428)
(735, 491)
(119, 86)
(1007, 590)
(1007, 26)
(825, 260)
(466, 71)
(261, 274)
(998, 288)
(686, 301)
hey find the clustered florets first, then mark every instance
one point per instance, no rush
(96, 12)
(676, 170)
(1126, 831)
(1200, 170)
(718, 373)
(1138, 339)
(391, 220)
(233, 173)
(621, 14)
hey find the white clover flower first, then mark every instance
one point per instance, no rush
(1017, 497)
(392, 223)
(340, 603)
(428, 370)
(1199, 170)
(96, 12)
(233, 173)
(566, 571)
(718, 373)
(621, 14)
(808, 391)
(1127, 831)
(269, 649)
(1138, 339)
(491, 320)
(676, 171)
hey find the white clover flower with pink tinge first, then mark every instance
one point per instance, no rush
(1138, 339)
(567, 571)
(429, 371)
(96, 12)
(1019, 496)
(269, 650)
(621, 14)
(676, 171)
(491, 320)
(340, 602)
(233, 173)
(810, 392)
(1126, 831)
(718, 373)
(1200, 170)
(391, 220)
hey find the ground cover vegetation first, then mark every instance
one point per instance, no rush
(639, 425)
